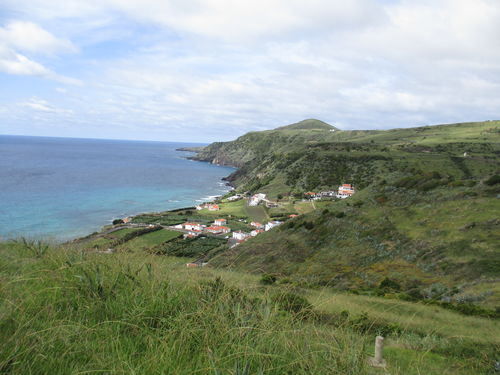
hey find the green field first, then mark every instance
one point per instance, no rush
(149, 240)
(122, 232)
(257, 213)
(236, 209)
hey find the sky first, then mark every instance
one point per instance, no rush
(210, 70)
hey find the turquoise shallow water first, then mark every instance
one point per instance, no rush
(60, 188)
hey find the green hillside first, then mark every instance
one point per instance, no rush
(288, 160)
(310, 124)
(426, 214)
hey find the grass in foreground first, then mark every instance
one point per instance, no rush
(72, 312)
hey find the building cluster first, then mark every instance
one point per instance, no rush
(208, 206)
(196, 229)
(344, 191)
(240, 236)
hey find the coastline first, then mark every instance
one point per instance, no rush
(225, 179)
(75, 187)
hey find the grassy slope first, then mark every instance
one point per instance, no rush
(293, 160)
(444, 230)
(69, 312)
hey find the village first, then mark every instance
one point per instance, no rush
(219, 227)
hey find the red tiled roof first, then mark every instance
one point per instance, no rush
(217, 227)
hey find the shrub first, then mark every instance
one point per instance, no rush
(118, 221)
(389, 284)
(493, 180)
(308, 225)
(268, 279)
(292, 302)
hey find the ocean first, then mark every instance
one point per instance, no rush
(62, 188)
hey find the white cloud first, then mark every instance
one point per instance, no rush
(19, 37)
(29, 37)
(15, 63)
(12, 62)
(236, 66)
(40, 105)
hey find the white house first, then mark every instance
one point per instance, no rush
(192, 234)
(255, 232)
(328, 193)
(256, 199)
(240, 236)
(192, 226)
(220, 222)
(217, 229)
(271, 225)
(234, 198)
(345, 191)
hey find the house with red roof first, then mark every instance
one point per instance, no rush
(345, 191)
(256, 224)
(218, 229)
(256, 232)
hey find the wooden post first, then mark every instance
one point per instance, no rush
(378, 360)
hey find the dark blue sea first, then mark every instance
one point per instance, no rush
(62, 188)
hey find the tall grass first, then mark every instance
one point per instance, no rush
(70, 312)
(97, 314)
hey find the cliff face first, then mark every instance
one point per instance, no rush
(254, 145)
(224, 153)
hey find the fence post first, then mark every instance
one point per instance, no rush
(378, 360)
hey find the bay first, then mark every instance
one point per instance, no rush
(63, 188)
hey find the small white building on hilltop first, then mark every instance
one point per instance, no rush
(256, 199)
